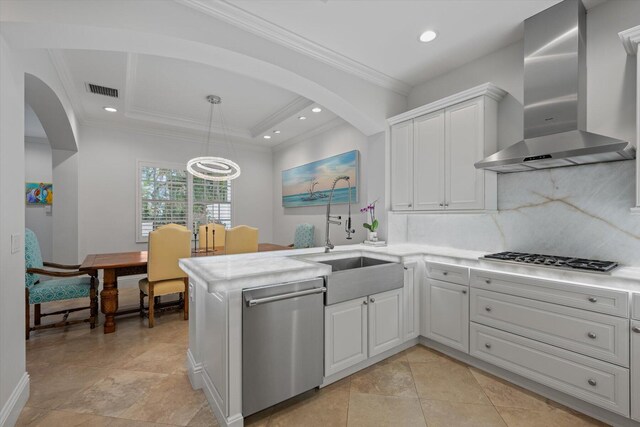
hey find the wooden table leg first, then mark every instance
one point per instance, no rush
(109, 299)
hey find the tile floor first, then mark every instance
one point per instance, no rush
(137, 377)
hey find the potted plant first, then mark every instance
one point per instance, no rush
(370, 209)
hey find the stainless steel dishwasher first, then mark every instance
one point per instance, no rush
(282, 342)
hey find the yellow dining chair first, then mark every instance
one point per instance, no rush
(167, 245)
(241, 240)
(220, 232)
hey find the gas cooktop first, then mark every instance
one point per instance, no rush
(590, 265)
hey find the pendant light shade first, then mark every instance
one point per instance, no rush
(209, 167)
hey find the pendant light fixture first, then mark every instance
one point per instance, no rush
(209, 167)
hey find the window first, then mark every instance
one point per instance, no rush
(212, 201)
(169, 194)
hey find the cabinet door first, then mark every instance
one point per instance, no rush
(345, 335)
(385, 321)
(411, 304)
(464, 145)
(635, 370)
(428, 162)
(447, 317)
(402, 166)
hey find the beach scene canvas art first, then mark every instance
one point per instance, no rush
(310, 184)
(38, 193)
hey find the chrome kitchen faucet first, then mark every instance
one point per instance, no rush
(335, 219)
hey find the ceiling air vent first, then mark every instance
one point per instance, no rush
(102, 90)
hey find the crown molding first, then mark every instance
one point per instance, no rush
(487, 89)
(630, 39)
(65, 76)
(335, 122)
(192, 137)
(36, 140)
(247, 21)
(294, 107)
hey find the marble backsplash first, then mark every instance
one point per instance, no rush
(579, 211)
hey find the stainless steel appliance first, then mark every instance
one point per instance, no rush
(569, 263)
(282, 342)
(555, 97)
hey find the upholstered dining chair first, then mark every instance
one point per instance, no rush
(241, 240)
(167, 245)
(66, 285)
(207, 242)
(304, 237)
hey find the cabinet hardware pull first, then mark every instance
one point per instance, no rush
(592, 382)
(372, 300)
(446, 205)
(488, 282)
(592, 335)
(487, 345)
(410, 205)
(406, 268)
(487, 308)
(365, 302)
(464, 292)
(441, 204)
(635, 329)
(444, 273)
(593, 299)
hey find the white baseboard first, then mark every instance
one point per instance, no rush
(11, 410)
(194, 370)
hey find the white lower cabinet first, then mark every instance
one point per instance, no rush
(345, 335)
(635, 370)
(361, 328)
(447, 315)
(385, 321)
(600, 383)
(411, 302)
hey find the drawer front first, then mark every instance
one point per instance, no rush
(448, 272)
(596, 382)
(592, 334)
(590, 298)
(635, 304)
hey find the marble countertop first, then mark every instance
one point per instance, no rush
(236, 272)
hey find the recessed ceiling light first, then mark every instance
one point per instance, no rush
(302, 118)
(267, 137)
(428, 36)
(276, 131)
(110, 109)
(316, 109)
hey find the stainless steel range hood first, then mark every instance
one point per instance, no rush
(555, 98)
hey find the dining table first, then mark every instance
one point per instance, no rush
(121, 264)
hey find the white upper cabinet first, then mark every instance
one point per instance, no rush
(428, 161)
(402, 164)
(464, 145)
(433, 150)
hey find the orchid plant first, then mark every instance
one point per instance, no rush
(370, 209)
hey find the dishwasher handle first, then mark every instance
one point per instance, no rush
(253, 302)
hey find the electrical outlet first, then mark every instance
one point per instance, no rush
(15, 243)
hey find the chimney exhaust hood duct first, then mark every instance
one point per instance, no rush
(555, 96)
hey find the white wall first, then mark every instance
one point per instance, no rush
(107, 185)
(38, 168)
(337, 140)
(14, 389)
(579, 211)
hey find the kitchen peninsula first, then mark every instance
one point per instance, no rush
(583, 362)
